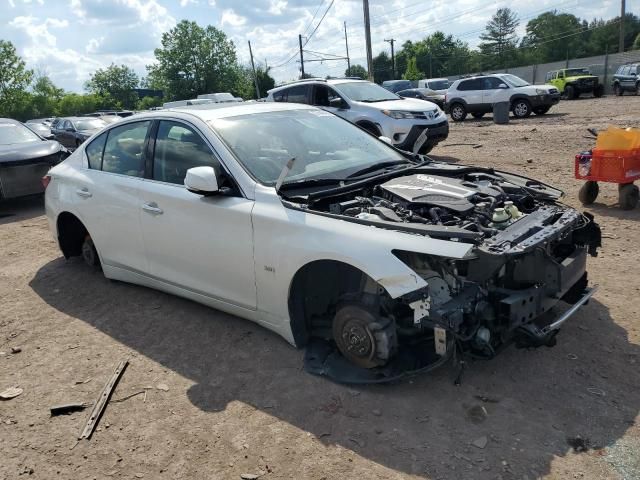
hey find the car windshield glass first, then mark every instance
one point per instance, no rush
(324, 146)
(438, 84)
(365, 92)
(570, 72)
(90, 124)
(11, 133)
(514, 81)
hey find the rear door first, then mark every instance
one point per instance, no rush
(471, 92)
(106, 194)
(201, 243)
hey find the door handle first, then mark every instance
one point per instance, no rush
(84, 192)
(152, 208)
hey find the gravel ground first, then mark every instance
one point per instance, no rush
(225, 397)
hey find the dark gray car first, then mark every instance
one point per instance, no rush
(627, 79)
(72, 131)
(25, 158)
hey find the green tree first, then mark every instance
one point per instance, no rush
(356, 71)
(499, 40)
(194, 60)
(14, 78)
(145, 103)
(636, 43)
(554, 36)
(265, 81)
(116, 82)
(603, 35)
(45, 96)
(412, 72)
(382, 68)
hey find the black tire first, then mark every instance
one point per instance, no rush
(542, 110)
(477, 115)
(458, 112)
(598, 91)
(617, 90)
(570, 92)
(362, 336)
(521, 108)
(89, 253)
(588, 192)
(638, 88)
(628, 196)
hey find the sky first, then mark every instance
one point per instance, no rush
(69, 39)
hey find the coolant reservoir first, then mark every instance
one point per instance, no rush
(512, 210)
(500, 218)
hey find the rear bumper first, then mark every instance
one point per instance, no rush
(22, 179)
(435, 134)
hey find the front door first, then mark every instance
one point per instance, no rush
(201, 243)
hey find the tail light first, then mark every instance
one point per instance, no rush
(46, 180)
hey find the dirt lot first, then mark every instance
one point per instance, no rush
(233, 397)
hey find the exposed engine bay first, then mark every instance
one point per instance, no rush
(529, 253)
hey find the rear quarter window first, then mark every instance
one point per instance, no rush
(94, 151)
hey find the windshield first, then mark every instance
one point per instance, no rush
(514, 81)
(324, 146)
(570, 72)
(438, 84)
(90, 124)
(365, 92)
(11, 133)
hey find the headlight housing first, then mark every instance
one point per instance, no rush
(402, 114)
(540, 91)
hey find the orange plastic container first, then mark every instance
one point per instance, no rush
(616, 166)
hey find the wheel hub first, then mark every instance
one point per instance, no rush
(358, 339)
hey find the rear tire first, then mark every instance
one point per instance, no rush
(458, 112)
(628, 196)
(541, 110)
(598, 91)
(521, 108)
(588, 192)
(89, 253)
(477, 115)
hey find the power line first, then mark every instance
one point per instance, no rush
(319, 23)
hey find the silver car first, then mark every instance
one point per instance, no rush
(407, 123)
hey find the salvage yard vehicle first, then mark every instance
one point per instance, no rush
(573, 82)
(408, 123)
(72, 131)
(477, 96)
(298, 220)
(25, 157)
(627, 79)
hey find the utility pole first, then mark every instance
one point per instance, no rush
(346, 44)
(253, 67)
(622, 15)
(367, 36)
(393, 56)
(301, 57)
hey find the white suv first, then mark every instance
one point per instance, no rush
(477, 95)
(376, 109)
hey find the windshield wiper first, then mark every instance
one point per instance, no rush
(376, 167)
(310, 182)
(378, 100)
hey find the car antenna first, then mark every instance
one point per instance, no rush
(285, 171)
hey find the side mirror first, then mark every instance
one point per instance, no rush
(338, 103)
(503, 85)
(201, 180)
(386, 140)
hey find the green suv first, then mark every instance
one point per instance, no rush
(573, 82)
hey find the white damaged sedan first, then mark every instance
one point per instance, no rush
(381, 261)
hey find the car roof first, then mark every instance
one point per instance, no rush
(211, 111)
(321, 81)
